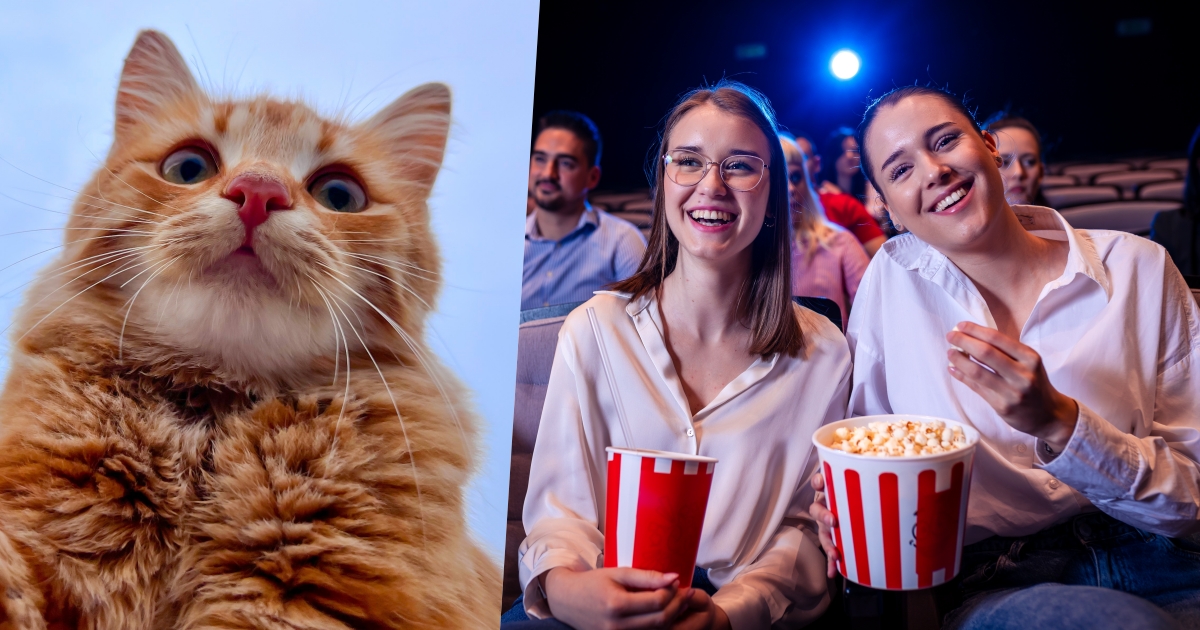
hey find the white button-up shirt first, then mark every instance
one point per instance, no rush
(1117, 331)
(612, 359)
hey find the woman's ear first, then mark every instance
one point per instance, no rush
(989, 140)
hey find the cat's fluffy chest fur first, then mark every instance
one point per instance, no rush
(153, 480)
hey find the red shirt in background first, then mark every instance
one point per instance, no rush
(846, 211)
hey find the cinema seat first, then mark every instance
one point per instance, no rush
(1060, 198)
(1058, 181)
(1166, 191)
(536, 341)
(614, 202)
(1179, 165)
(1129, 182)
(1126, 216)
(1085, 172)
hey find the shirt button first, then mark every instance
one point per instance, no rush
(545, 304)
(1021, 449)
(691, 433)
(1054, 484)
(549, 274)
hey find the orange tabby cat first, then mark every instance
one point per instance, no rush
(221, 411)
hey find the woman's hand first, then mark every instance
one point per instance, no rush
(826, 521)
(701, 613)
(613, 599)
(1017, 387)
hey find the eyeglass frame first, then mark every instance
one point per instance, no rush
(708, 164)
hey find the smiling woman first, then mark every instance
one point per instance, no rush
(1074, 353)
(704, 336)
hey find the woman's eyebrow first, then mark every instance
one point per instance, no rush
(928, 133)
(692, 148)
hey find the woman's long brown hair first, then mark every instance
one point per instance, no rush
(765, 301)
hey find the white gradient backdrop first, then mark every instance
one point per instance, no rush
(59, 64)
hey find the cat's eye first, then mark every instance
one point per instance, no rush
(338, 192)
(189, 165)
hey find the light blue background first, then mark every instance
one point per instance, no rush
(59, 65)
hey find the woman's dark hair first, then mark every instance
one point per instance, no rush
(891, 98)
(1006, 120)
(765, 301)
(1191, 185)
(831, 150)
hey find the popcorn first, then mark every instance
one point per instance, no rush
(903, 438)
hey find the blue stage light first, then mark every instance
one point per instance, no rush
(844, 64)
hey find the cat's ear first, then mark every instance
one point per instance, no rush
(154, 74)
(412, 131)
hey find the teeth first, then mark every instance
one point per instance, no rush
(950, 200)
(711, 215)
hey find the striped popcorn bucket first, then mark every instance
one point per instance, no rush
(900, 519)
(655, 510)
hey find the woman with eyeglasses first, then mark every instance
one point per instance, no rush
(1074, 353)
(827, 261)
(701, 351)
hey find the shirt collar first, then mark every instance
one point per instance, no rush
(1082, 259)
(590, 217)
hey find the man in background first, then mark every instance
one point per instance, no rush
(841, 207)
(571, 248)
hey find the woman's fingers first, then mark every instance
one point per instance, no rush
(818, 482)
(633, 603)
(661, 617)
(992, 387)
(643, 579)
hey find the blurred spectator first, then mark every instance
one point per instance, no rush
(571, 248)
(1020, 147)
(827, 261)
(839, 159)
(1179, 230)
(842, 208)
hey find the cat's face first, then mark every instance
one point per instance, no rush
(255, 235)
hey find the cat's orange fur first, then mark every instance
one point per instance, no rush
(181, 442)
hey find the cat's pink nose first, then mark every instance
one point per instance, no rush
(256, 196)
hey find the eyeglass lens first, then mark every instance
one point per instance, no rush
(739, 172)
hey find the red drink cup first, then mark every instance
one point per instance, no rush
(900, 519)
(655, 510)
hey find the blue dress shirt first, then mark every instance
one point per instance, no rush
(602, 249)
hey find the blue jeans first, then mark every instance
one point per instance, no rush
(516, 619)
(1092, 572)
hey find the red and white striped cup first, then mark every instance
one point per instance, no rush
(900, 519)
(655, 510)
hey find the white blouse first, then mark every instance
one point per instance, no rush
(1117, 331)
(757, 545)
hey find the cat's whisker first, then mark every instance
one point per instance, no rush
(416, 349)
(80, 240)
(129, 305)
(80, 193)
(412, 456)
(85, 290)
(338, 332)
(123, 232)
(68, 214)
(115, 256)
(364, 240)
(376, 273)
(127, 184)
(396, 265)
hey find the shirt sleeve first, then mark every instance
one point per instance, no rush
(628, 255)
(561, 513)
(786, 585)
(1149, 478)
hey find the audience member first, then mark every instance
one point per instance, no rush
(1179, 230)
(841, 208)
(706, 354)
(839, 159)
(1020, 146)
(571, 248)
(827, 261)
(1076, 355)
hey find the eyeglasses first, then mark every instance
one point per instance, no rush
(739, 172)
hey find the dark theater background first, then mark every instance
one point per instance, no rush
(1101, 80)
